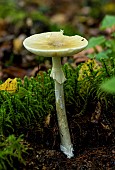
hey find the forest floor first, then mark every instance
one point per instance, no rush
(92, 142)
(93, 147)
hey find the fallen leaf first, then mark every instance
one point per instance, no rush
(15, 72)
(105, 126)
(59, 19)
(47, 120)
(3, 24)
(17, 43)
(9, 85)
(96, 115)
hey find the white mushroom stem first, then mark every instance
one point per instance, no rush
(58, 75)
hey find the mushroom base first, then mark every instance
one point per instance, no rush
(67, 151)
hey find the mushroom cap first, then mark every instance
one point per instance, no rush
(54, 44)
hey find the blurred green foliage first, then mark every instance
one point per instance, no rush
(108, 22)
(108, 53)
(109, 85)
(9, 8)
(106, 43)
(96, 41)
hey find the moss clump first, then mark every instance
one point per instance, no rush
(87, 73)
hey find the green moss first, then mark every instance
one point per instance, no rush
(10, 148)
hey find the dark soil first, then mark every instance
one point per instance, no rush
(93, 146)
(92, 159)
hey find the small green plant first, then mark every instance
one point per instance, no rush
(11, 148)
(107, 43)
(107, 22)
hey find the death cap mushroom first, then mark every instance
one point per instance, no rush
(54, 44)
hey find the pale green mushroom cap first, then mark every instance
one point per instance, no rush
(54, 44)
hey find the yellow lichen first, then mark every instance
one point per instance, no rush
(86, 74)
(90, 66)
(9, 85)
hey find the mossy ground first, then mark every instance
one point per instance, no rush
(90, 117)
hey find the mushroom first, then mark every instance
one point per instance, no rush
(57, 45)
